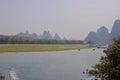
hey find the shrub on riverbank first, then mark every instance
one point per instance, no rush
(109, 67)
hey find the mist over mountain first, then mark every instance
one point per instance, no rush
(102, 32)
(91, 38)
(22, 34)
(115, 32)
(56, 37)
(44, 35)
(34, 35)
(102, 36)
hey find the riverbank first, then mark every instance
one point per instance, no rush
(39, 47)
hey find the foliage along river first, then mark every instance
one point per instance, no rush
(55, 65)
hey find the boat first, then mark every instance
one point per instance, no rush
(91, 70)
(78, 49)
(91, 78)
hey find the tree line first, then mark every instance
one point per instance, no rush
(109, 66)
(21, 40)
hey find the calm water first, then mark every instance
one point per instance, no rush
(56, 65)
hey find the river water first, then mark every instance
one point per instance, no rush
(55, 65)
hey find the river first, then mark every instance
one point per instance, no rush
(54, 65)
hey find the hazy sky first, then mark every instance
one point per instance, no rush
(69, 18)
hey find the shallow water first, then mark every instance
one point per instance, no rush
(56, 65)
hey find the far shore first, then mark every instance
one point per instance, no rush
(40, 47)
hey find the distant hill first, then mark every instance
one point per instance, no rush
(115, 30)
(91, 38)
(2, 36)
(102, 32)
(26, 34)
(102, 36)
(44, 35)
(56, 37)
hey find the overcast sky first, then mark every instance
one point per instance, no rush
(69, 18)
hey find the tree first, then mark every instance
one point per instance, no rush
(109, 67)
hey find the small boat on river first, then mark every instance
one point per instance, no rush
(91, 78)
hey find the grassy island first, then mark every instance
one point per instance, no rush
(39, 47)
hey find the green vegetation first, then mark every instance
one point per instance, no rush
(25, 40)
(25, 44)
(39, 47)
(109, 67)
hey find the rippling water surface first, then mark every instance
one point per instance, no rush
(56, 65)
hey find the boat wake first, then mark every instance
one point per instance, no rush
(13, 74)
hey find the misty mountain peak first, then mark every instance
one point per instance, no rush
(103, 36)
(115, 29)
(46, 35)
(117, 21)
(102, 32)
(56, 37)
(27, 32)
(100, 37)
(91, 37)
